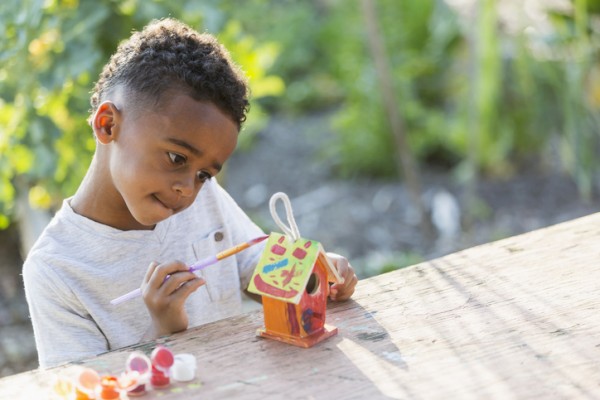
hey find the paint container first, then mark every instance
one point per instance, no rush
(184, 368)
(138, 363)
(162, 361)
(62, 388)
(109, 388)
(86, 384)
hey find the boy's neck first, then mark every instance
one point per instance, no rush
(97, 199)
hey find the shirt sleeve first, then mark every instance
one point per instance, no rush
(63, 331)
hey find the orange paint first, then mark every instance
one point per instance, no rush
(109, 388)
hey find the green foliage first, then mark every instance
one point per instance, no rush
(575, 36)
(256, 58)
(52, 52)
(299, 27)
(421, 39)
(473, 96)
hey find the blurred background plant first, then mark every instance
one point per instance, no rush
(51, 53)
(485, 89)
(479, 92)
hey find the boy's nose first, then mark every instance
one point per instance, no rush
(185, 187)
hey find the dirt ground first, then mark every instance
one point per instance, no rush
(17, 347)
(372, 222)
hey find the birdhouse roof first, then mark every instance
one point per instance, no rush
(284, 268)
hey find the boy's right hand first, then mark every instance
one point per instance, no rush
(165, 299)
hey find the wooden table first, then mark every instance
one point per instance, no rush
(517, 318)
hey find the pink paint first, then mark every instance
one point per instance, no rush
(288, 275)
(273, 291)
(159, 379)
(299, 253)
(139, 390)
(139, 364)
(162, 360)
(277, 249)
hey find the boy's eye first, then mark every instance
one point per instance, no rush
(177, 159)
(203, 176)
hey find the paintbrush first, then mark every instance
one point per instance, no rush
(197, 266)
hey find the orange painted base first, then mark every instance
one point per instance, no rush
(306, 342)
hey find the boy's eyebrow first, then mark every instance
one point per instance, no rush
(193, 150)
(185, 144)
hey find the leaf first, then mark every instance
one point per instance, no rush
(39, 197)
(4, 221)
(267, 86)
(21, 159)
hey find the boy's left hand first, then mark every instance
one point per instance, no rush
(342, 291)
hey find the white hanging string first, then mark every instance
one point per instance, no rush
(292, 230)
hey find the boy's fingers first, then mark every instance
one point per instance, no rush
(333, 291)
(340, 263)
(349, 274)
(161, 271)
(178, 279)
(344, 291)
(188, 287)
(150, 271)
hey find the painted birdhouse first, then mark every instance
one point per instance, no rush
(293, 279)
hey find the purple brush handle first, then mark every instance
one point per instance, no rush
(204, 263)
(138, 292)
(128, 296)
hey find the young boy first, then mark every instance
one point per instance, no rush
(166, 113)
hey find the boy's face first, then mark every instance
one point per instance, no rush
(158, 160)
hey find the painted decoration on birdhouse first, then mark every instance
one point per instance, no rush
(284, 268)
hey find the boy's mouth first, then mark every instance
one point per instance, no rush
(174, 209)
(159, 201)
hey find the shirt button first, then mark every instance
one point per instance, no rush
(218, 236)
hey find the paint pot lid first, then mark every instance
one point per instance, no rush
(162, 358)
(187, 359)
(139, 362)
(88, 380)
(184, 368)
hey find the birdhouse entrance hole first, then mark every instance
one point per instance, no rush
(313, 284)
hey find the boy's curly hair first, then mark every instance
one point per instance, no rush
(167, 54)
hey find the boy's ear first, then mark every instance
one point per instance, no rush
(105, 120)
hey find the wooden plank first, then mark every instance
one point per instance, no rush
(518, 318)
